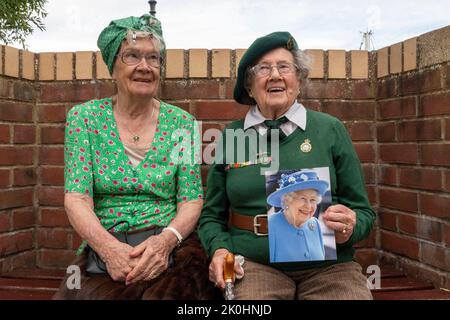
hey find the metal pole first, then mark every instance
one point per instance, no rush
(152, 4)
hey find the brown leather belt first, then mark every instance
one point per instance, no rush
(256, 224)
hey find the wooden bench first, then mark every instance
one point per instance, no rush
(39, 284)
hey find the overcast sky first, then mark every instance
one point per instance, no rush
(74, 25)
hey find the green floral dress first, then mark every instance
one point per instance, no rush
(96, 165)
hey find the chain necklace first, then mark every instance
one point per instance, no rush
(135, 136)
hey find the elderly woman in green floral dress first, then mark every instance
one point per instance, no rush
(130, 166)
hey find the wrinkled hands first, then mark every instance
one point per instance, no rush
(141, 263)
(216, 268)
(342, 220)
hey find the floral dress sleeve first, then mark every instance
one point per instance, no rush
(188, 177)
(78, 176)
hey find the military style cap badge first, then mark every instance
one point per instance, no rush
(290, 43)
(306, 146)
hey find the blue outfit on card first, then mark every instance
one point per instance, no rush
(288, 243)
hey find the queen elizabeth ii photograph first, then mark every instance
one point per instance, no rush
(296, 232)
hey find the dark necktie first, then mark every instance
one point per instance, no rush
(275, 125)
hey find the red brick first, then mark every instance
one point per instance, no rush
(398, 244)
(435, 154)
(24, 134)
(16, 112)
(447, 181)
(362, 131)
(435, 205)
(16, 198)
(419, 130)
(446, 229)
(369, 173)
(5, 88)
(363, 89)
(52, 238)
(54, 218)
(5, 225)
(366, 257)
(67, 92)
(56, 258)
(311, 104)
(22, 219)
(11, 156)
(398, 153)
(447, 129)
(51, 155)
(387, 88)
(418, 271)
(388, 220)
(420, 82)
(52, 135)
(386, 132)
(350, 110)
(22, 260)
(219, 110)
(422, 228)
(106, 88)
(53, 176)
(190, 89)
(326, 89)
(185, 105)
(436, 256)
(435, 104)
(5, 135)
(420, 178)
(398, 199)
(16, 242)
(24, 177)
(51, 196)
(210, 126)
(52, 113)
(448, 78)
(5, 178)
(388, 175)
(204, 171)
(398, 108)
(76, 240)
(372, 195)
(229, 87)
(24, 91)
(365, 151)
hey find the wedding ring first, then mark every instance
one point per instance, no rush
(344, 231)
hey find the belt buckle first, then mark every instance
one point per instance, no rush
(256, 225)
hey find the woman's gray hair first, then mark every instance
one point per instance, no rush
(288, 197)
(301, 59)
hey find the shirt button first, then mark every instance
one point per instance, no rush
(306, 254)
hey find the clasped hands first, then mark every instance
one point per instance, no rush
(141, 263)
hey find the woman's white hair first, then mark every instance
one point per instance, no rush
(288, 197)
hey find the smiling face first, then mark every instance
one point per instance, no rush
(275, 91)
(142, 79)
(300, 206)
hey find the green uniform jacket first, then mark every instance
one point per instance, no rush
(243, 189)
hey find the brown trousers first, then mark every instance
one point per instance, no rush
(343, 281)
(186, 280)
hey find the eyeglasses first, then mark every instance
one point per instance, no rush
(132, 57)
(263, 70)
(304, 200)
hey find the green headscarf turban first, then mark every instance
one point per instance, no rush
(112, 36)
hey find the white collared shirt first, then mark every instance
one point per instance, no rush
(296, 115)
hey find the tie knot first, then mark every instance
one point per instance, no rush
(275, 124)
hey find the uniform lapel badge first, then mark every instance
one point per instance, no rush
(306, 146)
(311, 225)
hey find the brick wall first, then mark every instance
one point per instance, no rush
(374, 93)
(413, 145)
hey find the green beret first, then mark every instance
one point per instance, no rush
(258, 48)
(112, 36)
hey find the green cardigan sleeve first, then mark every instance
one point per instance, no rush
(351, 189)
(213, 223)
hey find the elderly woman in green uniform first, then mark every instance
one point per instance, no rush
(270, 77)
(130, 169)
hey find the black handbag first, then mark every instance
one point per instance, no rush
(95, 264)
